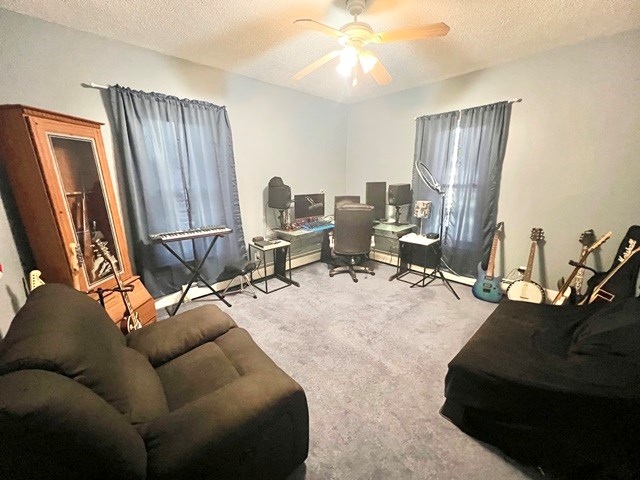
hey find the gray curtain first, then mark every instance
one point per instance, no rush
(179, 173)
(435, 135)
(472, 184)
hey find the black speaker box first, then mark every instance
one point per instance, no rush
(377, 197)
(399, 194)
(279, 194)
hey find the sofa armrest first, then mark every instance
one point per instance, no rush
(167, 339)
(261, 419)
(52, 427)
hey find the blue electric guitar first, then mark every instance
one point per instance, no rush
(487, 286)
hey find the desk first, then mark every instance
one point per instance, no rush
(281, 253)
(306, 242)
(386, 236)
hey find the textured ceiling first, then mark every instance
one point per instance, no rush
(257, 38)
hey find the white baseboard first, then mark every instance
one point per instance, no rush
(383, 257)
(195, 291)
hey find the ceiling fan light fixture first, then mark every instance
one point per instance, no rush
(348, 60)
(367, 61)
(344, 70)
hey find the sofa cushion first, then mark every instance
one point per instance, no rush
(168, 339)
(195, 374)
(143, 388)
(62, 330)
(240, 424)
(212, 366)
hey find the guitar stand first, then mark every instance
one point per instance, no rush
(101, 292)
(573, 263)
(196, 275)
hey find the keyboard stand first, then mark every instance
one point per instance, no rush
(196, 275)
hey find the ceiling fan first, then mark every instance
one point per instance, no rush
(355, 36)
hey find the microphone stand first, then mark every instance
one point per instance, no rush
(427, 177)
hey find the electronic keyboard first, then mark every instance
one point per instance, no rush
(317, 225)
(208, 231)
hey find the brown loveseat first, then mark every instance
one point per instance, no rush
(189, 397)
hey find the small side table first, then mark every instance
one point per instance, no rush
(415, 250)
(281, 251)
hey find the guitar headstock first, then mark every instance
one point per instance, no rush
(101, 247)
(600, 241)
(537, 234)
(587, 238)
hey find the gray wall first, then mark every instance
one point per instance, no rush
(276, 131)
(572, 156)
(570, 165)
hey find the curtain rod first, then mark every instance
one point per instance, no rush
(515, 100)
(95, 85)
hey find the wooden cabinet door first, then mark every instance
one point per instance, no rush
(76, 175)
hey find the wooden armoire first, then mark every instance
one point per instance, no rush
(60, 178)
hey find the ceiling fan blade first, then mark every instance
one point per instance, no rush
(380, 74)
(320, 27)
(315, 65)
(412, 33)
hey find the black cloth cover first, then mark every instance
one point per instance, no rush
(550, 385)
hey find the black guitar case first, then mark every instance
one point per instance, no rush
(623, 283)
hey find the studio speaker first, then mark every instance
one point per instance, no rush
(279, 194)
(377, 197)
(399, 194)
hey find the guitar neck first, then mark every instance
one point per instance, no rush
(116, 275)
(579, 278)
(492, 257)
(532, 254)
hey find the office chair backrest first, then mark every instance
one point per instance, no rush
(353, 229)
(343, 199)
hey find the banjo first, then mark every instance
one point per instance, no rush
(526, 290)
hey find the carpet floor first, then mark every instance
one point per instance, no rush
(372, 357)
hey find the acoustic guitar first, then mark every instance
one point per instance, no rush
(132, 318)
(588, 246)
(526, 290)
(487, 286)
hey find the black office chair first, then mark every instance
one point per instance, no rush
(352, 238)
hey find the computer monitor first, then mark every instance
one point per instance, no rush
(342, 199)
(308, 205)
(377, 197)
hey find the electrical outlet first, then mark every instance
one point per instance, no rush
(321, 191)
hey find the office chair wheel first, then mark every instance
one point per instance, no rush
(372, 273)
(331, 274)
